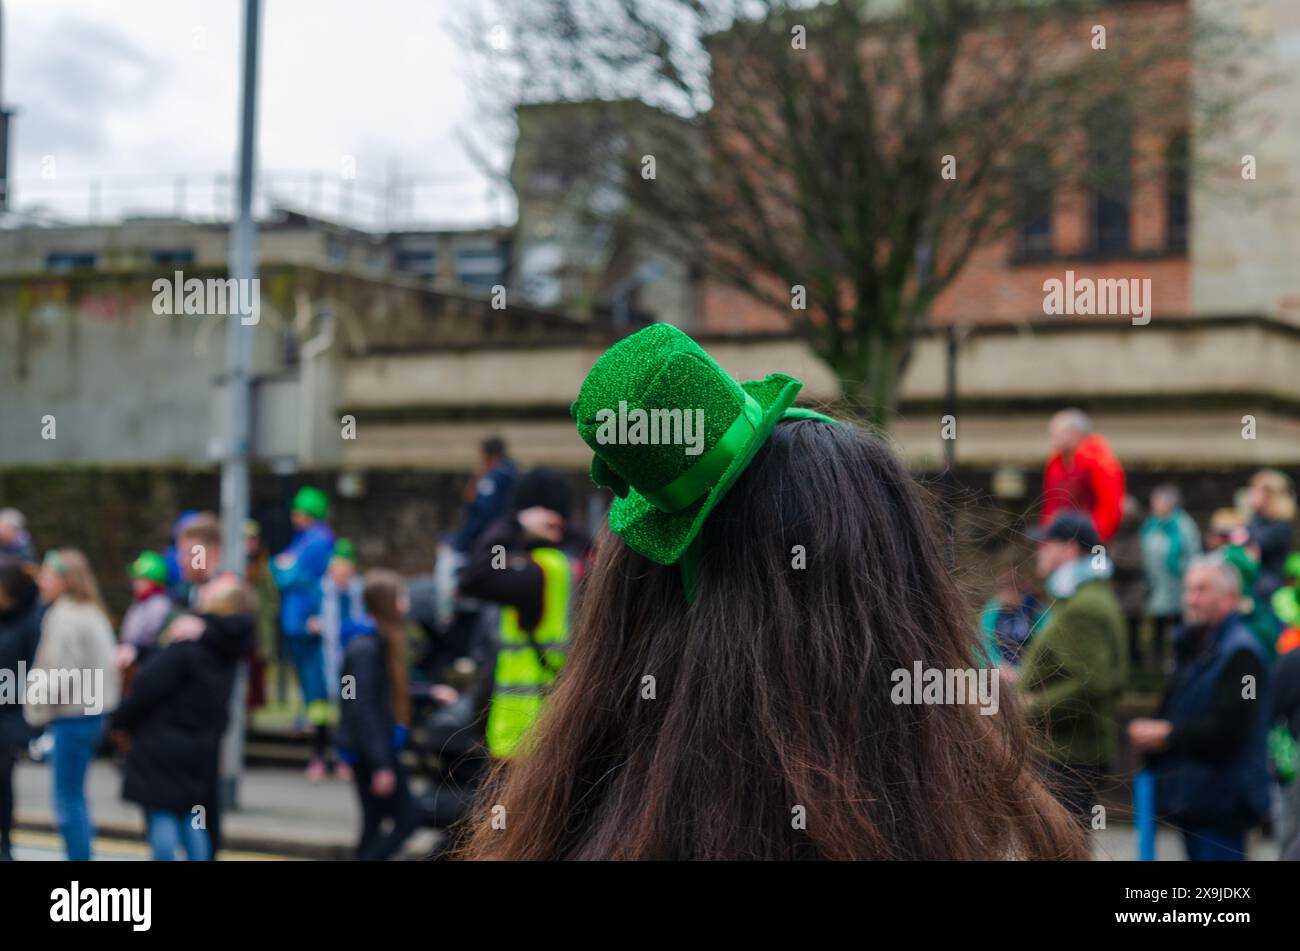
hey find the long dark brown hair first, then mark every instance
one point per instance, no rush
(758, 723)
(379, 594)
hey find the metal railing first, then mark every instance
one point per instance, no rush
(398, 202)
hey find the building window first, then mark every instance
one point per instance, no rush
(167, 256)
(69, 260)
(1110, 155)
(478, 267)
(418, 262)
(336, 251)
(1034, 203)
(1177, 179)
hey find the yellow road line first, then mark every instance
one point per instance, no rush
(120, 847)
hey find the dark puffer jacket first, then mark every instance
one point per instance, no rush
(175, 713)
(20, 631)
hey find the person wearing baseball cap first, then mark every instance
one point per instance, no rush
(1075, 668)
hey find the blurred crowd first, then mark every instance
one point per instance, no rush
(450, 671)
(1210, 610)
(377, 673)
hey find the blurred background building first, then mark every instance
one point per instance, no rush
(434, 338)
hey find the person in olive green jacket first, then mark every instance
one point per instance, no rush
(1074, 670)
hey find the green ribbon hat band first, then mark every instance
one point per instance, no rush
(700, 477)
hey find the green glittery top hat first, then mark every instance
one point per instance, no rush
(671, 433)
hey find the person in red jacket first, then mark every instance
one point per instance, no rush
(1082, 473)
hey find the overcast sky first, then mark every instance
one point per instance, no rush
(134, 92)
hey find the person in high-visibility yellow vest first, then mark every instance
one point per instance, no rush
(528, 661)
(520, 562)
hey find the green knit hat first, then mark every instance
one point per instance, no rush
(636, 408)
(343, 549)
(150, 565)
(311, 501)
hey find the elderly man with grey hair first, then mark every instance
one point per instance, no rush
(1082, 474)
(1209, 743)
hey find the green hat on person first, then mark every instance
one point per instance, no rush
(343, 549)
(150, 565)
(671, 433)
(311, 501)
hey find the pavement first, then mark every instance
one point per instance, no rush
(280, 815)
(1118, 842)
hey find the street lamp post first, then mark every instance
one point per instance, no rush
(239, 339)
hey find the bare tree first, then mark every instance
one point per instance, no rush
(843, 161)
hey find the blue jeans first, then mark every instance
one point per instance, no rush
(1210, 845)
(170, 830)
(76, 739)
(307, 653)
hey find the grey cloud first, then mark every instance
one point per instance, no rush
(76, 77)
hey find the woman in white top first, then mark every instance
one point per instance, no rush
(72, 685)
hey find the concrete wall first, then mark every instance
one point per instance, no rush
(122, 383)
(1168, 394)
(125, 384)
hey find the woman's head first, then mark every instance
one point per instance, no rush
(18, 589)
(1226, 527)
(1272, 495)
(1165, 500)
(388, 603)
(66, 571)
(226, 596)
(384, 596)
(708, 730)
(542, 488)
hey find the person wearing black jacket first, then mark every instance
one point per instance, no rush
(375, 718)
(488, 494)
(1209, 744)
(507, 568)
(198, 538)
(174, 717)
(20, 630)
